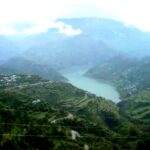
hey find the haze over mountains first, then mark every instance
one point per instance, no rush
(7, 49)
(113, 36)
(39, 109)
(117, 35)
(60, 48)
(99, 40)
(20, 65)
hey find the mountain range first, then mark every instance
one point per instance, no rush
(124, 38)
(40, 110)
(100, 40)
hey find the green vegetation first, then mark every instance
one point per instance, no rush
(137, 107)
(131, 77)
(56, 115)
(38, 114)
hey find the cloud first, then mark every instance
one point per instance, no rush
(41, 12)
(68, 29)
(8, 31)
(62, 28)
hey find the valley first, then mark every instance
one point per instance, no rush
(61, 116)
(80, 85)
(97, 87)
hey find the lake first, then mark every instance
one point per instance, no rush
(99, 88)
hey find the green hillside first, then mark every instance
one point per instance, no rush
(131, 77)
(56, 115)
(137, 107)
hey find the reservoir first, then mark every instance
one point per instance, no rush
(99, 88)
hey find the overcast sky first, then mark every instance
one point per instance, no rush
(41, 13)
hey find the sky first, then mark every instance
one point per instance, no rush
(34, 16)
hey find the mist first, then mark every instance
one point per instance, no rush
(74, 74)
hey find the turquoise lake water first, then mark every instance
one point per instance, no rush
(99, 88)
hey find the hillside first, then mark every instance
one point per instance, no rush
(7, 49)
(40, 110)
(137, 107)
(131, 77)
(20, 80)
(56, 115)
(20, 65)
(71, 51)
(117, 35)
(100, 40)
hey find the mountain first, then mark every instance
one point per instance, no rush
(52, 35)
(100, 40)
(7, 49)
(24, 66)
(131, 78)
(71, 51)
(137, 107)
(44, 113)
(57, 115)
(129, 75)
(126, 39)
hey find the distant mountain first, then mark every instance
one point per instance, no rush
(36, 113)
(7, 49)
(21, 65)
(52, 35)
(126, 39)
(100, 40)
(71, 51)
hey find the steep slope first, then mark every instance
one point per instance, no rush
(137, 107)
(100, 40)
(127, 39)
(131, 77)
(21, 65)
(73, 51)
(112, 68)
(52, 35)
(57, 115)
